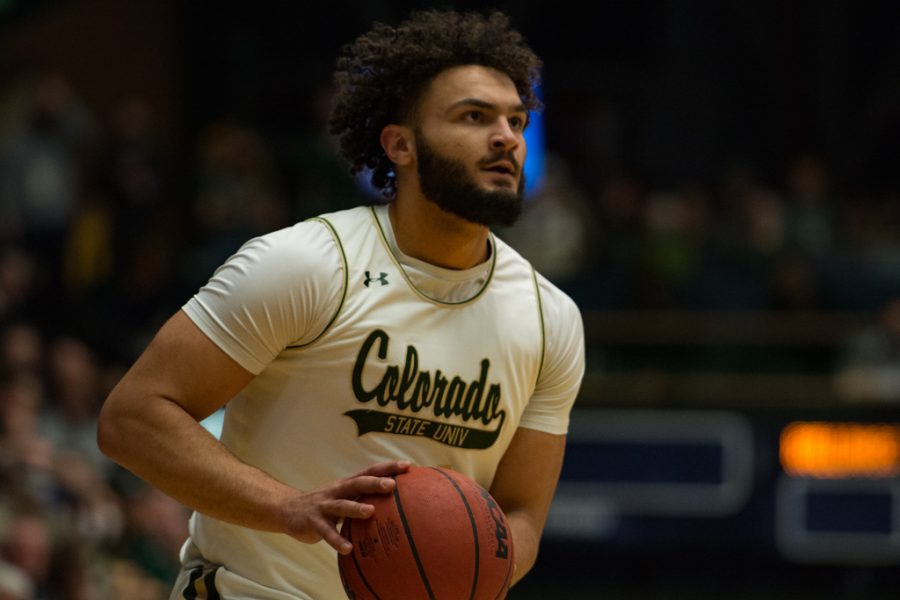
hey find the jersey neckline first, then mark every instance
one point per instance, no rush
(402, 261)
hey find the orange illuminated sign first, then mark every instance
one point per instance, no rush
(837, 450)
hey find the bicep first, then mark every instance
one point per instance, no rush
(184, 366)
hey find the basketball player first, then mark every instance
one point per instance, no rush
(349, 346)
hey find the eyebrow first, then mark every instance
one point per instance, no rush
(482, 104)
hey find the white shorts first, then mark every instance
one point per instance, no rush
(201, 580)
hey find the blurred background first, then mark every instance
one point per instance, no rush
(717, 185)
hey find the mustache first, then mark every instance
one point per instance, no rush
(497, 157)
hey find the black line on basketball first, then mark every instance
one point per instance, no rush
(356, 564)
(471, 522)
(506, 581)
(412, 543)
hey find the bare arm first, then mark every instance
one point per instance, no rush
(149, 424)
(524, 485)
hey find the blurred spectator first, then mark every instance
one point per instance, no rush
(869, 222)
(39, 165)
(21, 350)
(609, 274)
(17, 282)
(92, 509)
(323, 182)
(672, 245)
(739, 183)
(88, 256)
(793, 284)
(127, 580)
(763, 216)
(26, 457)
(28, 545)
(238, 195)
(72, 577)
(553, 231)
(14, 583)
(120, 263)
(131, 181)
(156, 530)
(133, 169)
(869, 368)
(618, 206)
(70, 421)
(810, 218)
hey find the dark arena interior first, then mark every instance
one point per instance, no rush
(715, 184)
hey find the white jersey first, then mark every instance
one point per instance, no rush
(362, 355)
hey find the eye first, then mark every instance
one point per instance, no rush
(473, 116)
(517, 123)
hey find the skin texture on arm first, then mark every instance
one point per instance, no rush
(524, 485)
(149, 424)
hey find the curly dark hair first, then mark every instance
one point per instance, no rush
(381, 76)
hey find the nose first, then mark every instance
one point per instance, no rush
(503, 137)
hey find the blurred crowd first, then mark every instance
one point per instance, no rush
(93, 255)
(739, 243)
(104, 232)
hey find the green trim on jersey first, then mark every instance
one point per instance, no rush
(344, 283)
(420, 293)
(540, 306)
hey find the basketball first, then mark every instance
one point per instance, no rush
(438, 536)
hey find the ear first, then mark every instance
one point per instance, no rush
(398, 144)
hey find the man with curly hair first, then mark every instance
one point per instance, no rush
(366, 340)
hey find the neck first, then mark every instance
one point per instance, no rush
(426, 232)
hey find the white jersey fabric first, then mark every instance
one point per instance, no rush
(362, 355)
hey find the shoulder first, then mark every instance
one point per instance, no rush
(307, 247)
(556, 305)
(279, 289)
(303, 238)
(298, 258)
(345, 221)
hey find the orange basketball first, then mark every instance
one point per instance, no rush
(438, 536)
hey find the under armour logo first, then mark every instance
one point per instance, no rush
(382, 277)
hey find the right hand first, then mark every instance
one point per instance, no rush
(314, 516)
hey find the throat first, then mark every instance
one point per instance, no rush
(443, 240)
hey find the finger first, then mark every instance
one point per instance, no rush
(333, 538)
(348, 509)
(363, 484)
(386, 469)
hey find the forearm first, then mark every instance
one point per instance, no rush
(523, 486)
(168, 448)
(526, 537)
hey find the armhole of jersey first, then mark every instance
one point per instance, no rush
(540, 309)
(337, 241)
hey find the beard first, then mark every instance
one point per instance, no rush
(448, 184)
